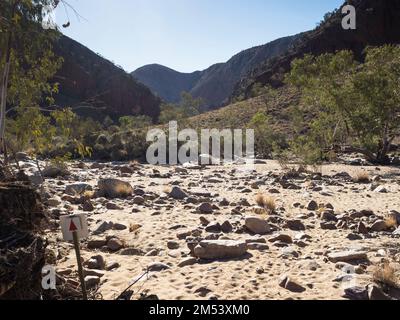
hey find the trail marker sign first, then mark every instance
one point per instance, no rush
(74, 223)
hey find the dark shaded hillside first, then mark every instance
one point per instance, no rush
(88, 79)
(214, 84)
(378, 23)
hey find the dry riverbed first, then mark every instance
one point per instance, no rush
(201, 235)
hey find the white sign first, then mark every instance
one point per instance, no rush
(72, 223)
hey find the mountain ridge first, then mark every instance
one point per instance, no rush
(214, 84)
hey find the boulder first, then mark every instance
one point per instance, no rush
(220, 249)
(114, 188)
(347, 256)
(257, 225)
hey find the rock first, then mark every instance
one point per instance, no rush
(347, 256)
(397, 232)
(381, 189)
(379, 226)
(36, 179)
(395, 215)
(356, 293)
(138, 200)
(257, 225)
(295, 225)
(54, 202)
(88, 206)
(361, 228)
(220, 249)
(119, 226)
(214, 228)
(290, 284)
(187, 262)
(226, 227)
(91, 282)
(112, 265)
(114, 188)
(77, 189)
(96, 243)
(53, 171)
(312, 206)
(157, 267)
(257, 246)
(173, 245)
(281, 237)
(204, 221)
(205, 208)
(115, 244)
(112, 206)
(376, 293)
(103, 227)
(96, 262)
(329, 216)
(177, 193)
(328, 226)
(131, 252)
(22, 156)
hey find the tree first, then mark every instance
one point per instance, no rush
(353, 103)
(27, 61)
(187, 107)
(134, 122)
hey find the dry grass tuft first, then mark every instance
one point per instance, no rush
(362, 177)
(266, 202)
(391, 222)
(386, 274)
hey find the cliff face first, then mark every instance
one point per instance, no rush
(378, 23)
(215, 84)
(88, 79)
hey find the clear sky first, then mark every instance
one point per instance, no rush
(186, 35)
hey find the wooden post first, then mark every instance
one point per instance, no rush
(79, 261)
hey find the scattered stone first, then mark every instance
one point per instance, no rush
(54, 202)
(204, 221)
(281, 237)
(328, 226)
(77, 189)
(376, 293)
(295, 225)
(157, 267)
(205, 208)
(347, 256)
(381, 189)
(173, 245)
(187, 262)
(88, 206)
(214, 228)
(177, 193)
(139, 200)
(356, 293)
(112, 265)
(379, 226)
(96, 262)
(96, 243)
(103, 227)
(115, 244)
(131, 252)
(329, 216)
(220, 249)
(257, 246)
(91, 282)
(53, 171)
(290, 284)
(112, 206)
(257, 225)
(226, 227)
(312, 206)
(361, 228)
(114, 188)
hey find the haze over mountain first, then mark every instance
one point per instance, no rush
(214, 84)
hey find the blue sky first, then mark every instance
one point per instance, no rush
(186, 35)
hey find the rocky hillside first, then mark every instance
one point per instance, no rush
(214, 84)
(377, 24)
(88, 79)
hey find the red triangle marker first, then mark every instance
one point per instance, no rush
(72, 226)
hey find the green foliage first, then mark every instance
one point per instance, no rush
(267, 139)
(134, 122)
(352, 103)
(188, 107)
